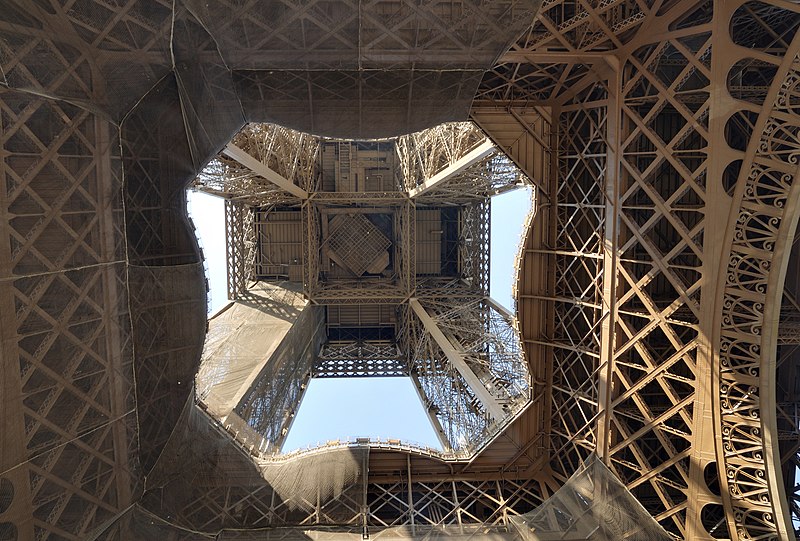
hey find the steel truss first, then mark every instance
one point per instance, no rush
(462, 506)
(486, 342)
(358, 359)
(663, 139)
(413, 495)
(430, 153)
(489, 345)
(474, 250)
(240, 246)
(363, 290)
(269, 405)
(493, 175)
(288, 153)
(672, 125)
(71, 352)
(103, 306)
(425, 153)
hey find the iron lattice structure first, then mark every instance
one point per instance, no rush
(492, 349)
(667, 130)
(289, 153)
(656, 296)
(461, 350)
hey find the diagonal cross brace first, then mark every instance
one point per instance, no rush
(263, 170)
(474, 156)
(457, 360)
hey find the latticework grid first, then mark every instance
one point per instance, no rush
(663, 300)
(356, 241)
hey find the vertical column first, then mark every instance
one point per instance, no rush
(239, 246)
(543, 371)
(410, 497)
(427, 406)
(605, 384)
(12, 422)
(107, 191)
(717, 207)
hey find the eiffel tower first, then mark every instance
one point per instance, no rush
(656, 327)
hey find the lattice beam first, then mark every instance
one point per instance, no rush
(240, 247)
(473, 156)
(263, 170)
(647, 152)
(458, 362)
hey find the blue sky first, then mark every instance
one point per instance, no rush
(363, 407)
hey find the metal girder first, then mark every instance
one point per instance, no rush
(524, 135)
(239, 247)
(489, 402)
(428, 407)
(768, 158)
(263, 170)
(700, 249)
(650, 125)
(610, 256)
(502, 310)
(477, 154)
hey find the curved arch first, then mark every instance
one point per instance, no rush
(769, 344)
(763, 220)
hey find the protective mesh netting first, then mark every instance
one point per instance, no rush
(593, 505)
(350, 74)
(241, 339)
(107, 111)
(258, 357)
(206, 479)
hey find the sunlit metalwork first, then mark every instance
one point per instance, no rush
(471, 377)
(656, 292)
